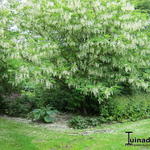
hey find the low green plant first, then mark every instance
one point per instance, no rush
(17, 105)
(131, 107)
(93, 122)
(80, 122)
(44, 114)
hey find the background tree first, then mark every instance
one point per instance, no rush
(96, 47)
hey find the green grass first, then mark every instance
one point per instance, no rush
(22, 136)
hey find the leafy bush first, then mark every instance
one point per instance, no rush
(118, 109)
(79, 122)
(131, 107)
(93, 122)
(45, 114)
(67, 99)
(16, 105)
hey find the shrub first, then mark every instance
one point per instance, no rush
(93, 122)
(79, 122)
(44, 114)
(118, 109)
(131, 107)
(16, 105)
(66, 99)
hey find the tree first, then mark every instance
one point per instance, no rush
(97, 47)
(6, 64)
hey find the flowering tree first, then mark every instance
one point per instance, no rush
(94, 46)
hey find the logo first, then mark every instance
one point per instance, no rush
(137, 141)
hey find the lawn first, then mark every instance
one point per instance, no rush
(16, 135)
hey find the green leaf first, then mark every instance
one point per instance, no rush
(48, 119)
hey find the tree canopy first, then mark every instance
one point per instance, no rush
(97, 47)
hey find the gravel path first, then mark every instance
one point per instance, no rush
(61, 125)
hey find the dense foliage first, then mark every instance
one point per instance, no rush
(143, 5)
(127, 107)
(118, 109)
(96, 47)
(16, 105)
